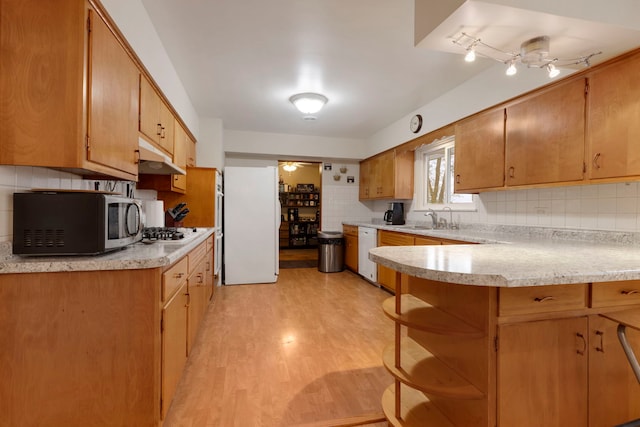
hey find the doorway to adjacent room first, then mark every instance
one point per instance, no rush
(300, 195)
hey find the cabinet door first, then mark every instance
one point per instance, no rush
(614, 128)
(198, 300)
(191, 152)
(365, 180)
(179, 156)
(545, 136)
(386, 276)
(385, 175)
(479, 152)
(174, 344)
(542, 373)
(167, 129)
(150, 102)
(113, 101)
(608, 366)
(351, 252)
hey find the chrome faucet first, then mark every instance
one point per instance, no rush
(434, 217)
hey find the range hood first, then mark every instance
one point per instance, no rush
(155, 162)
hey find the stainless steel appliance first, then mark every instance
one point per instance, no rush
(73, 223)
(395, 214)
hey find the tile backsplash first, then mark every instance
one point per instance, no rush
(22, 178)
(611, 207)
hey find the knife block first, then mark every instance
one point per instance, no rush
(170, 222)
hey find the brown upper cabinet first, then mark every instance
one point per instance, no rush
(387, 176)
(545, 136)
(479, 152)
(157, 124)
(68, 90)
(613, 120)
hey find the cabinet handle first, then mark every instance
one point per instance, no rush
(137, 162)
(543, 299)
(512, 172)
(159, 129)
(584, 343)
(630, 292)
(162, 135)
(200, 277)
(178, 275)
(458, 179)
(188, 300)
(600, 347)
(208, 266)
(595, 161)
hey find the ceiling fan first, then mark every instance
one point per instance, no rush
(291, 166)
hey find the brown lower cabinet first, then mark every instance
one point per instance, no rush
(97, 348)
(530, 356)
(350, 233)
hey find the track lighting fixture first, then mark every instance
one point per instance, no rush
(534, 53)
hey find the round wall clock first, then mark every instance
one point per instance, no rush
(416, 123)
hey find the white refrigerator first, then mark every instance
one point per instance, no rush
(251, 225)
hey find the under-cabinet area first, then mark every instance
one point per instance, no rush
(101, 347)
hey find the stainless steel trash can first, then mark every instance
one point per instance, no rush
(330, 251)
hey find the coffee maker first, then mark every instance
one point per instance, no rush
(395, 214)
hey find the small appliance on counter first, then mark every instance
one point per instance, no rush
(59, 222)
(395, 214)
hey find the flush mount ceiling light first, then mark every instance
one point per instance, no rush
(309, 103)
(534, 53)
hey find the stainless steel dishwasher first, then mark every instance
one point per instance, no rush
(367, 239)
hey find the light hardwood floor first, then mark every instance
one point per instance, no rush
(303, 352)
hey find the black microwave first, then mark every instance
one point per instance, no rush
(73, 223)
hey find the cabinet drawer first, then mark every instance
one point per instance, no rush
(196, 255)
(173, 278)
(541, 299)
(425, 241)
(390, 238)
(351, 230)
(607, 294)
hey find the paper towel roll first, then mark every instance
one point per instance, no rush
(153, 213)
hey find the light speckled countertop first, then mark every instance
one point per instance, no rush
(511, 256)
(136, 256)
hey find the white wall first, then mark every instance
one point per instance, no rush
(488, 88)
(285, 146)
(340, 198)
(133, 21)
(210, 147)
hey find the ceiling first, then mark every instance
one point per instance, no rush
(241, 60)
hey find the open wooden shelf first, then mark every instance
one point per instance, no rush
(423, 371)
(415, 409)
(420, 315)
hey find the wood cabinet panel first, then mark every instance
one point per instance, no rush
(351, 247)
(167, 129)
(365, 191)
(388, 175)
(614, 128)
(113, 101)
(74, 110)
(541, 299)
(545, 136)
(542, 373)
(386, 276)
(174, 344)
(150, 122)
(479, 152)
(614, 393)
(80, 348)
(611, 294)
(198, 300)
(173, 278)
